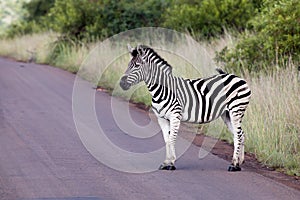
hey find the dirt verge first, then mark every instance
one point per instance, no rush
(224, 150)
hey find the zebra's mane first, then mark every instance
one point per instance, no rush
(167, 66)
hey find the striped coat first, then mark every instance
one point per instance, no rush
(176, 99)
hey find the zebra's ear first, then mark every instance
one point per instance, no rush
(130, 49)
(140, 49)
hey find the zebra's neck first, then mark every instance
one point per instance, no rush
(160, 72)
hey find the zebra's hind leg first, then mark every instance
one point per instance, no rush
(233, 121)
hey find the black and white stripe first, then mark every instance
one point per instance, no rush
(176, 99)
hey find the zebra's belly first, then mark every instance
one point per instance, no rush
(199, 117)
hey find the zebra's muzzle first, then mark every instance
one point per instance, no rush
(124, 84)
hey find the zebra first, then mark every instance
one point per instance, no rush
(176, 99)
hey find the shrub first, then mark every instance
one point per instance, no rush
(85, 20)
(275, 40)
(208, 18)
(33, 20)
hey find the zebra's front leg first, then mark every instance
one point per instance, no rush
(170, 129)
(165, 127)
(174, 127)
(168, 164)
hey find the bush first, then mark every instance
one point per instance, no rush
(85, 20)
(33, 20)
(94, 19)
(275, 39)
(209, 17)
(71, 18)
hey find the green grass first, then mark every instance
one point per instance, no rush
(67, 57)
(271, 122)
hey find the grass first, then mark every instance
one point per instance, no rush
(271, 122)
(36, 46)
(67, 57)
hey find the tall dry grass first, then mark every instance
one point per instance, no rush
(27, 47)
(272, 120)
(68, 57)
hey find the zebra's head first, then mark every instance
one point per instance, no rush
(136, 71)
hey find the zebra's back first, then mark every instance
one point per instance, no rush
(204, 100)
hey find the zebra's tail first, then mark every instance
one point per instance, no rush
(221, 71)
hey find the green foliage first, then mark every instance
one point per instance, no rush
(209, 17)
(37, 9)
(98, 19)
(128, 14)
(9, 11)
(84, 19)
(275, 39)
(72, 17)
(33, 20)
(21, 28)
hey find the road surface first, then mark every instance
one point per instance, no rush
(42, 156)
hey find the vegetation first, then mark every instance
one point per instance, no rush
(272, 120)
(273, 42)
(88, 19)
(259, 39)
(267, 31)
(34, 16)
(10, 11)
(25, 47)
(209, 18)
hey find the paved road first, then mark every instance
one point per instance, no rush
(42, 157)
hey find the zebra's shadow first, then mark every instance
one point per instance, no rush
(190, 161)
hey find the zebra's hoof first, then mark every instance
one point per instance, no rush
(167, 167)
(232, 168)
